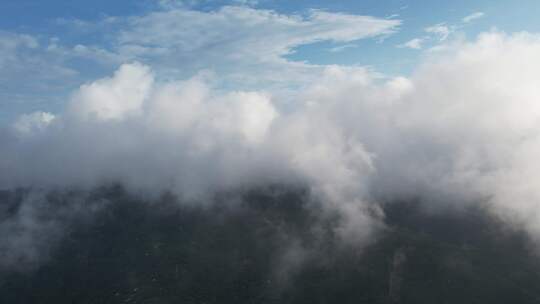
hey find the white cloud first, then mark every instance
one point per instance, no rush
(473, 17)
(415, 44)
(114, 98)
(246, 2)
(441, 30)
(343, 47)
(33, 122)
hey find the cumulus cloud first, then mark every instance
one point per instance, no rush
(462, 130)
(116, 97)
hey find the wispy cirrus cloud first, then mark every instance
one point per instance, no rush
(441, 30)
(236, 42)
(239, 35)
(439, 33)
(342, 47)
(472, 17)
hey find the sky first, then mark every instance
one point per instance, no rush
(49, 49)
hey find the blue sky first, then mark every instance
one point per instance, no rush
(52, 47)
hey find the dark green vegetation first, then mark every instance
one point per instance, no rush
(268, 248)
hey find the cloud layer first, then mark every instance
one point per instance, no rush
(462, 130)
